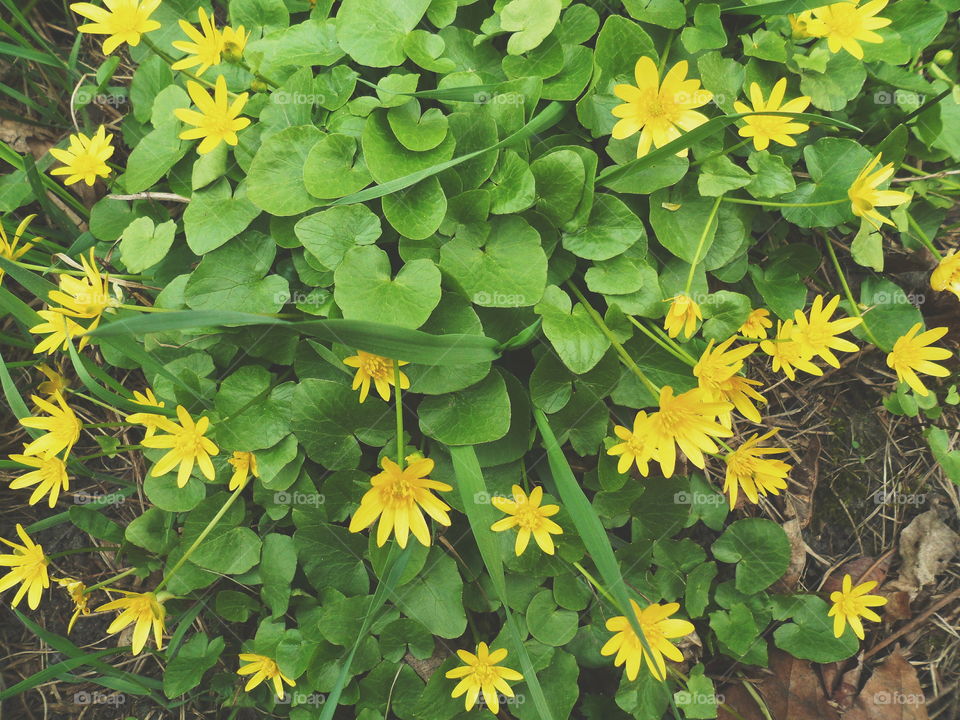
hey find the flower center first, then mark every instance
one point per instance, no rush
(844, 20)
(127, 18)
(189, 443)
(377, 367)
(485, 673)
(528, 516)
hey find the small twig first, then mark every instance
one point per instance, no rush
(932, 176)
(171, 197)
(913, 624)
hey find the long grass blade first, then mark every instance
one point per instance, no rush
(481, 516)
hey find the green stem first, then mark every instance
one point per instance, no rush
(922, 236)
(119, 449)
(765, 203)
(78, 551)
(721, 153)
(399, 406)
(146, 308)
(621, 351)
(846, 290)
(666, 53)
(701, 243)
(200, 538)
(77, 273)
(671, 347)
(93, 400)
(593, 581)
(108, 581)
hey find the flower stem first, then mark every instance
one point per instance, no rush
(108, 581)
(145, 308)
(78, 551)
(700, 244)
(922, 237)
(668, 345)
(399, 406)
(593, 581)
(117, 450)
(617, 345)
(846, 290)
(77, 273)
(200, 538)
(765, 203)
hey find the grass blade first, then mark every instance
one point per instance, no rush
(481, 516)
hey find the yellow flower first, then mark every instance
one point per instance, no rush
(765, 129)
(757, 475)
(124, 21)
(864, 196)
(818, 334)
(144, 609)
(262, 668)
(397, 498)
(687, 421)
(244, 465)
(845, 25)
(85, 297)
(62, 428)
(800, 24)
(187, 445)
(852, 603)
(60, 330)
(151, 421)
(234, 42)
(85, 158)
(49, 475)
(529, 516)
(637, 446)
(75, 589)
(717, 372)
(756, 324)
(217, 120)
(379, 370)
(946, 276)
(911, 354)
(206, 46)
(660, 112)
(682, 315)
(658, 628)
(482, 673)
(9, 248)
(787, 353)
(29, 569)
(55, 381)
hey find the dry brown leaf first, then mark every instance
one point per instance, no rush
(798, 556)
(926, 546)
(803, 484)
(893, 692)
(792, 692)
(861, 570)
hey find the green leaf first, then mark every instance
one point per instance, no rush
(417, 211)
(435, 599)
(416, 131)
(144, 245)
(810, 634)
(772, 177)
(328, 235)
(890, 311)
(335, 167)
(666, 13)
(387, 158)
(612, 229)
(720, 175)
(477, 414)
(679, 229)
(275, 182)
(549, 624)
(707, 31)
(215, 215)
(509, 269)
(760, 549)
(373, 31)
(573, 334)
(867, 247)
(365, 290)
(530, 21)
(278, 564)
(185, 671)
(259, 14)
(328, 418)
(724, 312)
(235, 275)
(232, 553)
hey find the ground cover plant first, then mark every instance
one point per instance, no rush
(431, 359)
